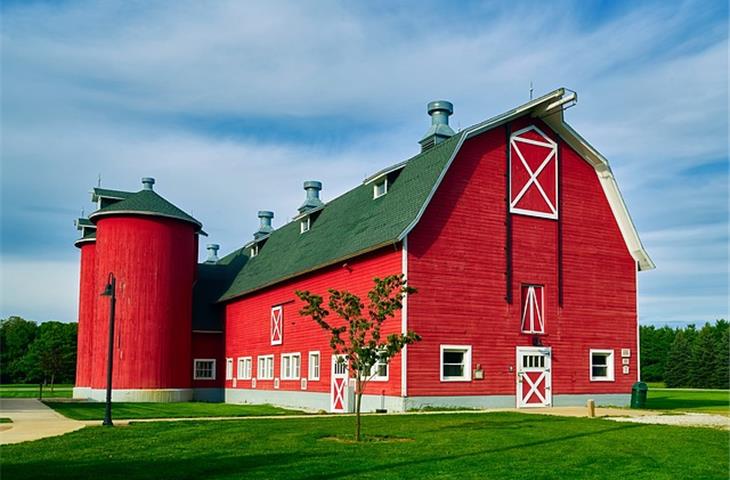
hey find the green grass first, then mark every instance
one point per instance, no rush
(709, 401)
(450, 445)
(128, 410)
(31, 391)
(5, 420)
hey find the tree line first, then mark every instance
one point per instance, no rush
(687, 357)
(33, 353)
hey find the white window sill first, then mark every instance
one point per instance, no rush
(603, 380)
(449, 380)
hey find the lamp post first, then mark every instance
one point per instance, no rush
(110, 291)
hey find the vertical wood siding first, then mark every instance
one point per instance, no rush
(154, 260)
(87, 305)
(457, 261)
(247, 322)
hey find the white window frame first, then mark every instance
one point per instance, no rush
(245, 368)
(374, 376)
(467, 363)
(610, 360)
(254, 250)
(311, 374)
(229, 368)
(291, 374)
(305, 224)
(280, 310)
(195, 369)
(384, 183)
(267, 372)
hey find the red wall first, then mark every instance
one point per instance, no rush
(457, 260)
(248, 321)
(87, 305)
(154, 260)
(209, 345)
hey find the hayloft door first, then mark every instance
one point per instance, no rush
(340, 379)
(534, 378)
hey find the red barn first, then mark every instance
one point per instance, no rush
(513, 231)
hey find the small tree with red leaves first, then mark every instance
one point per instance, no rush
(358, 338)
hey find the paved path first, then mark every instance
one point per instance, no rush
(682, 420)
(32, 420)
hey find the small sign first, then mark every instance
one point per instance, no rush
(276, 383)
(626, 369)
(625, 352)
(479, 374)
(304, 383)
(253, 383)
(625, 361)
(234, 383)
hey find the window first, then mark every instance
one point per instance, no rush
(379, 372)
(313, 366)
(602, 366)
(277, 325)
(304, 224)
(244, 368)
(533, 317)
(254, 250)
(229, 368)
(204, 369)
(455, 363)
(290, 366)
(380, 188)
(265, 365)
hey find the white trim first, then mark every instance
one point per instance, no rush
(535, 309)
(374, 377)
(638, 329)
(310, 376)
(404, 322)
(377, 175)
(610, 360)
(229, 368)
(195, 373)
(305, 224)
(242, 371)
(254, 250)
(340, 394)
(533, 180)
(264, 373)
(277, 325)
(384, 183)
(292, 374)
(545, 377)
(466, 349)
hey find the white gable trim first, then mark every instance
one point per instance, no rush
(540, 107)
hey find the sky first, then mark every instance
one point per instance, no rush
(232, 105)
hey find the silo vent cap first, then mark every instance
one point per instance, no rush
(147, 183)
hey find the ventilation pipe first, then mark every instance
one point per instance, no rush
(212, 252)
(147, 183)
(312, 187)
(265, 227)
(439, 110)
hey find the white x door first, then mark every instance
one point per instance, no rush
(340, 379)
(534, 380)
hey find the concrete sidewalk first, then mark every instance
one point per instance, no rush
(32, 420)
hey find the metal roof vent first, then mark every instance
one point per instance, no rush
(147, 183)
(312, 187)
(440, 129)
(212, 252)
(265, 227)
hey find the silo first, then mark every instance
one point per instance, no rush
(87, 305)
(150, 246)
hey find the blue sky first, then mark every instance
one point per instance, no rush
(231, 106)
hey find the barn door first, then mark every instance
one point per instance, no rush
(534, 380)
(340, 379)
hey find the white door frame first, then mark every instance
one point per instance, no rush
(340, 393)
(546, 377)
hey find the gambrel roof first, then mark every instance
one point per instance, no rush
(355, 223)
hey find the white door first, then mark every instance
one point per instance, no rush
(534, 380)
(340, 380)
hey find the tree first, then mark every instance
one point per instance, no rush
(721, 376)
(357, 336)
(16, 336)
(52, 356)
(655, 343)
(704, 361)
(677, 373)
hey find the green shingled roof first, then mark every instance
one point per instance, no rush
(109, 193)
(349, 225)
(145, 202)
(90, 236)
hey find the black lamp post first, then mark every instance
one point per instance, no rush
(110, 291)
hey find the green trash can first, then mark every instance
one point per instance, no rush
(639, 392)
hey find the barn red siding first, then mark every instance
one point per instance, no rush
(87, 305)
(457, 260)
(154, 260)
(248, 322)
(209, 345)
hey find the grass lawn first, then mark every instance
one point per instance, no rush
(124, 410)
(451, 445)
(709, 401)
(31, 391)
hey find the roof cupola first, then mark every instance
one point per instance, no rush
(439, 110)
(312, 187)
(265, 227)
